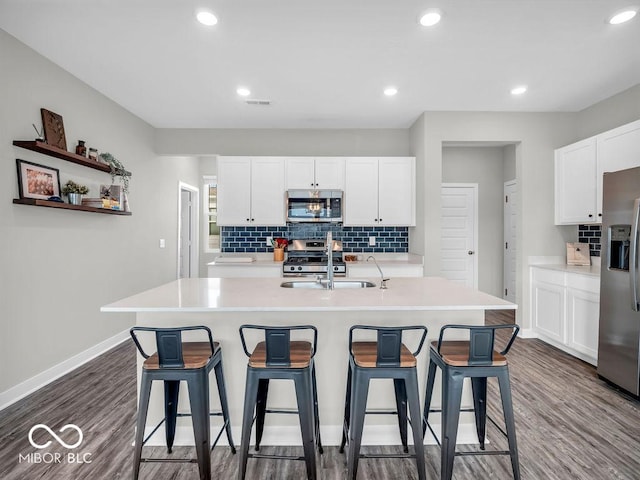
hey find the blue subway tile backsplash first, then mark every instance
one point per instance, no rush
(591, 234)
(354, 239)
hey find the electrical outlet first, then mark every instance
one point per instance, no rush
(269, 240)
(161, 243)
(372, 241)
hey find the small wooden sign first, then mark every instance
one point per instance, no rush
(53, 129)
(578, 254)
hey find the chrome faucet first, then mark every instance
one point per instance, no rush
(329, 261)
(383, 282)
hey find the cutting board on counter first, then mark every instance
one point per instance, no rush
(578, 254)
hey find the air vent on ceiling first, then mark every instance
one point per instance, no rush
(254, 101)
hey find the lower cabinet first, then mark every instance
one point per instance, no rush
(565, 309)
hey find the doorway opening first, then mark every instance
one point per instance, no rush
(489, 165)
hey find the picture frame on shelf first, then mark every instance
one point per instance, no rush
(37, 181)
(53, 127)
(112, 197)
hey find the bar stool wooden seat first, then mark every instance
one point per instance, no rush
(278, 357)
(476, 359)
(389, 358)
(173, 362)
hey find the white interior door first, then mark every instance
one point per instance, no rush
(510, 221)
(459, 236)
(184, 252)
(187, 231)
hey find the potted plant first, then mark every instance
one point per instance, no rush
(74, 192)
(117, 170)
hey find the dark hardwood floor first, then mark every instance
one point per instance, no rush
(570, 425)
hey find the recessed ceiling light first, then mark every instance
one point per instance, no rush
(206, 18)
(519, 90)
(623, 16)
(243, 91)
(430, 18)
(390, 91)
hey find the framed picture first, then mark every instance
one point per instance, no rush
(37, 181)
(53, 129)
(111, 196)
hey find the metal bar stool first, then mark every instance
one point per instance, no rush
(477, 359)
(278, 357)
(389, 358)
(173, 362)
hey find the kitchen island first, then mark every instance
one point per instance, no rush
(223, 304)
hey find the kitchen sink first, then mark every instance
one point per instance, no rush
(323, 285)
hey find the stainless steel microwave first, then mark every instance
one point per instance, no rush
(314, 206)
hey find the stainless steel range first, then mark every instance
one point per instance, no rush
(309, 258)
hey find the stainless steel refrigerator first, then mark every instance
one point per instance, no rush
(619, 335)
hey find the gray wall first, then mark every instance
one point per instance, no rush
(286, 142)
(58, 267)
(535, 135)
(484, 166)
(610, 113)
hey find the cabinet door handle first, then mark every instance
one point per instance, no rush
(590, 215)
(471, 252)
(247, 219)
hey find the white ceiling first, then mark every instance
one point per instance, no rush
(325, 63)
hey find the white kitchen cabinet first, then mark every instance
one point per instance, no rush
(583, 314)
(251, 191)
(576, 183)
(319, 172)
(565, 310)
(548, 304)
(579, 168)
(380, 191)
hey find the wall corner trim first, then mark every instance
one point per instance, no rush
(21, 390)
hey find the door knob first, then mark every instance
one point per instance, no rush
(471, 252)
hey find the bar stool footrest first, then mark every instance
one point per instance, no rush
(387, 455)
(168, 460)
(274, 457)
(483, 452)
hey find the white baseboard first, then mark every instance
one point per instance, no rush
(9, 397)
(331, 435)
(528, 333)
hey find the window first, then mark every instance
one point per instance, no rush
(212, 230)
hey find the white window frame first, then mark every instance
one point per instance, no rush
(207, 180)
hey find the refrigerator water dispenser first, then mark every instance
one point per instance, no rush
(619, 240)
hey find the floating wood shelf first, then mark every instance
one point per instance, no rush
(46, 149)
(67, 206)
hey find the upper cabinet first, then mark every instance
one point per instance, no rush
(380, 191)
(251, 191)
(576, 183)
(579, 168)
(315, 173)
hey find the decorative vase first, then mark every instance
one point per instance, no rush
(75, 198)
(278, 254)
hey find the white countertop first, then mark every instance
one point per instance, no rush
(591, 270)
(265, 294)
(266, 259)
